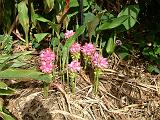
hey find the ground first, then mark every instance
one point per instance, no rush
(126, 92)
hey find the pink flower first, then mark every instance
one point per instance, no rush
(74, 66)
(68, 34)
(46, 67)
(47, 57)
(75, 48)
(88, 49)
(98, 61)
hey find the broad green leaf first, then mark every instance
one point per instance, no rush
(6, 42)
(48, 5)
(9, 91)
(4, 58)
(17, 63)
(40, 36)
(6, 116)
(7, 59)
(74, 3)
(132, 11)
(92, 26)
(32, 15)
(40, 18)
(21, 74)
(115, 23)
(111, 44)
(3, 85)
(23, 18)
(89, 17)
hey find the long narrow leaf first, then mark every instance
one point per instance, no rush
(20, 75)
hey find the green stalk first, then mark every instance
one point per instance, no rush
(97, 37)
(73, 83)
(26, 39)
(85, 62)
(96, 82)
(67, 69)
(45, 89)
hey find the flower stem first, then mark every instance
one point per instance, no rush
(45, 89)
(96, 82)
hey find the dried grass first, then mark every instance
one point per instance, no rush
(125, 93)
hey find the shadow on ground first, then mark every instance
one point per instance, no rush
(34, 110)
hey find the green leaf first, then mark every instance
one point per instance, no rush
(40, 36)
(23, 18)
(7, 59)
(153, 68)
(17, 63)
(9, 91)
(115, 23)
(111, 44)
(91, 25)
(4, 58)
(21, 74)
(6, 116)
(48, 5)
(123, 55)
(131, 11)
(3, 85)
(88, 17)
(74, 3)
(40, 18)
(1, 104)
(6, 42)
(5, 90)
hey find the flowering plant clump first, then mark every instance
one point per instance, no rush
(75, 50)
(68, 34)
(47, 56)
(98, 61)
(88, 49)
(74, 67)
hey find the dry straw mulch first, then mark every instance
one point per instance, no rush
(126, 92)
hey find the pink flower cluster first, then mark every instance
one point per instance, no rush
(75, 48)
(68, 34)
(74, 66)
(98, 61)
(47, 57)
(88, 49)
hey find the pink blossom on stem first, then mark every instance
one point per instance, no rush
(68, 34)
(74, 66)
(75, 48)
(46, 67)
(47, 57)
(98, 61)
(88, 49)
